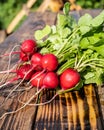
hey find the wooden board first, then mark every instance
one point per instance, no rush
(23, 119)
(74, 110)
(77, 110)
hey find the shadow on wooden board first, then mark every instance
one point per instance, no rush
(77, 110)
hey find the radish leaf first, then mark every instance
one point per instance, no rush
(40, 34)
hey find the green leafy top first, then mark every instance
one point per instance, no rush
(77, 45)
(42, 33)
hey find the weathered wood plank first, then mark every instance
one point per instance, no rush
(93, 12)
(74, 110)
(22, 120)
(79, 110)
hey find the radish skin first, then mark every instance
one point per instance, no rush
(69, 78)
(49, 62)
(23, 56)
(37, 79)
(50, 80)
(29, 47)
(36, 61)
(25, 71)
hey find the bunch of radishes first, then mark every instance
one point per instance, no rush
(41, 70)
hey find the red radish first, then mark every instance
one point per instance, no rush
(50, 80)
(37, 79)
(25, 71)
(45, 80)
(49, 62)
(29, 46)
(69, 78)
(36, 61)
(23, 56)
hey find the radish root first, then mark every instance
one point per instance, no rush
(8, 67)
(18, 85)
(19, 90)
(15, 87)
(28, 104)
(39, 104)
(12, 112)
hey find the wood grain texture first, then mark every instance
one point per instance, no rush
(20, 120)
(23, 119)
(79, 110)
(73, 110)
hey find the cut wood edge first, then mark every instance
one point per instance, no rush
(2, 35)
(24, 11)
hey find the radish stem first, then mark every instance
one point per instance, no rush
(19, 84)
(10, 81)
(12, 69)
(10, 55)
(6, 71)
(13, 52)
(9, 62)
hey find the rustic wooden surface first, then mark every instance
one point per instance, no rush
(74, 110)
